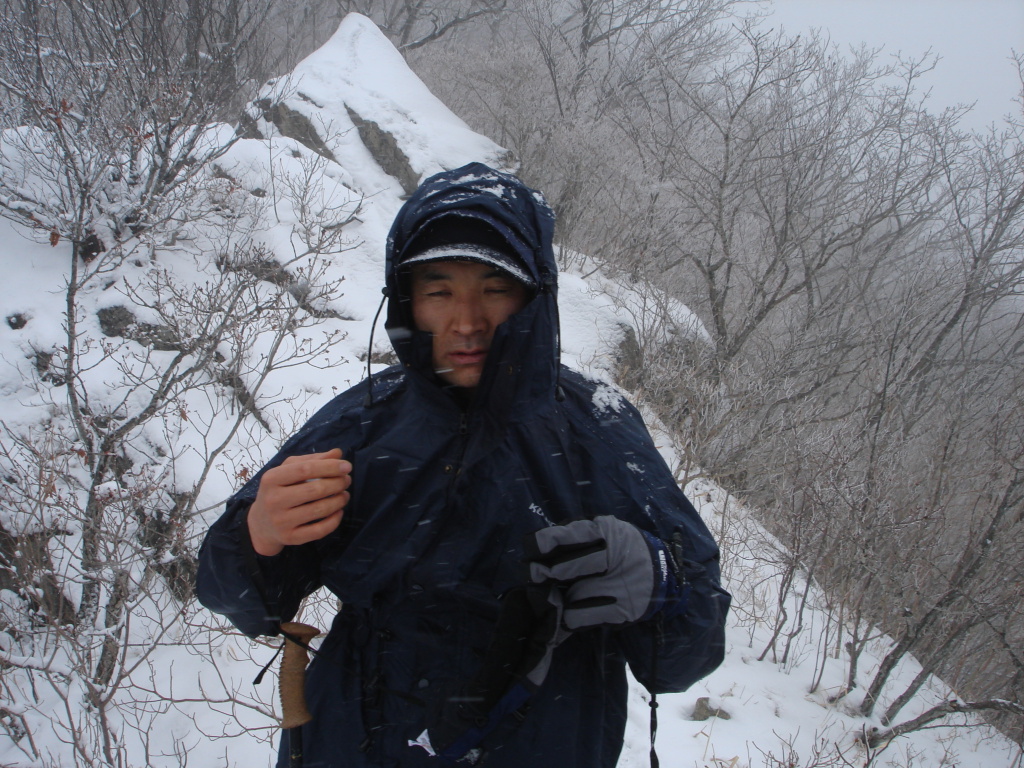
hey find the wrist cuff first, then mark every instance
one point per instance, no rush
(668, 594)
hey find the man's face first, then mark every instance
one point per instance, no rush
(461, 303)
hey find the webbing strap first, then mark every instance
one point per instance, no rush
(658, 637)
(654, 729)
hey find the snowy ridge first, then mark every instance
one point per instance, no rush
(359, 71)
(320, 225)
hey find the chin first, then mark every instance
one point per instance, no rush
(466, 379)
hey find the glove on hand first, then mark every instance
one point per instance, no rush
(613, 572)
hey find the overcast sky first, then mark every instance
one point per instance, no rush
(975, 39)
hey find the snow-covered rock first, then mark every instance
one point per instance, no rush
(357, 102)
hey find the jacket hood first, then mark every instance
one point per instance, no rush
(523, 358)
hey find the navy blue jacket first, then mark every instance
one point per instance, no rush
(444, 493)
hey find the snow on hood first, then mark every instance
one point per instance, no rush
(529, 340)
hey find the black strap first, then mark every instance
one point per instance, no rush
(654, 729)
(658, 637)
(259, 677)
(288, 636)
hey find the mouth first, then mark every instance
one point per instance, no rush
(467, 356)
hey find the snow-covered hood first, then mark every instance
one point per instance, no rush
(526, 344)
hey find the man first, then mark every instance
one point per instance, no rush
(502, 542)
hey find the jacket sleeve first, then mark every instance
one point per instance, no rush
(255, 593)
(675, 648)
(680, 644)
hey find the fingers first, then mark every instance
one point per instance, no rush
(299, 501)
(299, 469)
(305, 491)
(272, 527)
(589, 561)
(325, 522)
(574, 533)
(581, 613)
(568, 552)
(294, 522)
(605, 567)
(297, 498)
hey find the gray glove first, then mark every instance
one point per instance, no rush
(611, 571)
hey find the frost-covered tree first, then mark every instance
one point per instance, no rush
(157, 386)
(176, 311)
(409, 24)
(855, 260)
(107, 107)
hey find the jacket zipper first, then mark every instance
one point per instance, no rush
(455, 469)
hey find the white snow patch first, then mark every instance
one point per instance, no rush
(608, 398)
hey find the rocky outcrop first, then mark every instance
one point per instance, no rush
(294, 125)
(121, 322)
(386, 152)
(356, 102)
(382, 145)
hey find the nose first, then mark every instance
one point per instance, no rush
(469, 316)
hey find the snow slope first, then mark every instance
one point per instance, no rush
(358, 74)
(192, 697)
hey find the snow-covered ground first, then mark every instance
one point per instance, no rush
(191, 698)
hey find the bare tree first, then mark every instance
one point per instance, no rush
(107, 153)
(409, 24)
(552, 85)
(855, 261)
(116, 99)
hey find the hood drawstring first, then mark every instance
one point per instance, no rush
(559, 392)
(368, 402)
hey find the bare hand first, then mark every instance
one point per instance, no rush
(301, 500)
